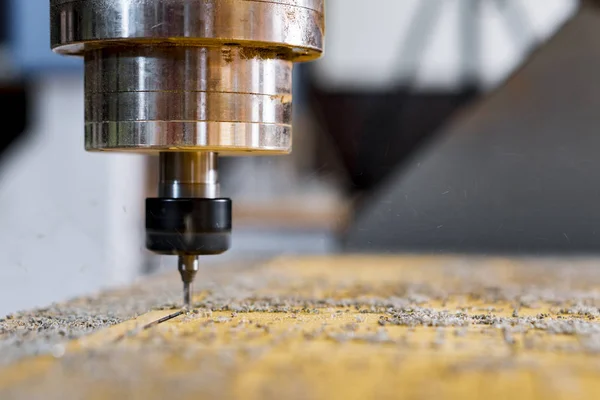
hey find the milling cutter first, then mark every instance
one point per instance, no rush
(190, 80)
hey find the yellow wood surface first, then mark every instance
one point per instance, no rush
(334, 337)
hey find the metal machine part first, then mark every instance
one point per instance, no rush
(188, 79)
(187, 175)
(164, 75)
(225, 99)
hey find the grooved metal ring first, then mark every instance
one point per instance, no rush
(294, 26)
(228, 69)
(187, 98)
(188, 106)
(222, 137)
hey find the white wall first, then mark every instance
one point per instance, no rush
(363, 41)
(69, 220)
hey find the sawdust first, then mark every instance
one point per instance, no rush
(38, 331)
(519, 313)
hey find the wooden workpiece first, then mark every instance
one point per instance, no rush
(350, 327)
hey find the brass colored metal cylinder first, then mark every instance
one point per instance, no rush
(188, 75)
(187, 98)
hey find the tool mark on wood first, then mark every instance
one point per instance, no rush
(149, 325)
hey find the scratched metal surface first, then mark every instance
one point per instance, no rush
(344, 327)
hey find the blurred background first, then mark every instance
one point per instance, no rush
(429, 126)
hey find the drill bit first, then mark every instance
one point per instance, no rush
(188, 266)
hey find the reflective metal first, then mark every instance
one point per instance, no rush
(188, 174)
(223, 137)
(188, 75)
(194, 98)
(225, 69)
(188, 267)
(294, 26)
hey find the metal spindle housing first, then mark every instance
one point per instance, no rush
(188, 75)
